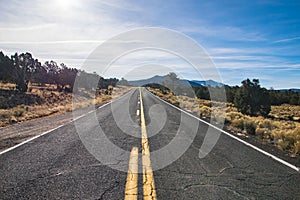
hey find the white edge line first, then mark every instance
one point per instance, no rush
(26, 141)
(49, 131)
(232, 136)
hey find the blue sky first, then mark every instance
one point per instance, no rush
(245, 39)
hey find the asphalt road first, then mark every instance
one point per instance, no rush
(58, 165)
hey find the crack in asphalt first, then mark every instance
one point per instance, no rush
(116, 184)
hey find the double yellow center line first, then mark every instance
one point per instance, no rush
(131, 190)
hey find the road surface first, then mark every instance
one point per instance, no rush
(57, 165)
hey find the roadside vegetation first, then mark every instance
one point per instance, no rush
(44, 101)
(276, 125)
(30, 90)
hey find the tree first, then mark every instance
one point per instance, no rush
(202, 92)
(251, 99)
(24, 66)
(6, 68)
(66, 77)
(52, 72)
(123, 81)
(40, 74)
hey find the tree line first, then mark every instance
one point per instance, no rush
(23, 69)
(252, 99)
(276, 97)
(249, 98)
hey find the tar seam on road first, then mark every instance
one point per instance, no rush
(51, 130)
(234, 137)
(148, 179)
(131, 189)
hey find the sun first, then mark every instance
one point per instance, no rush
(64, 4)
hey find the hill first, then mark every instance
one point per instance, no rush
(160, 79)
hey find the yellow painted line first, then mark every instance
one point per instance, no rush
(148, 179)
(131, 189)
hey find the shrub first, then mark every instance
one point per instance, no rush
(106, 98)
(5, 114)
(19, 112)
(264, 133)
(260, 132)
(297, 147)
(250, 126)
(251, 99)
(204, 111)
(234, 115)
(238, 123)
(266, 123)
(218, 117)
(282, 144)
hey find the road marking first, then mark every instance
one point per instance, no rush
(148, 179)
(26, 141)
(138, 112)
(234, 137)
(131, 189)
(51, 130)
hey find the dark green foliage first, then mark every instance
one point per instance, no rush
(284, 97)
(202, 93)
(251, 99)
(22, 69)
(6, 67)
(230, 93)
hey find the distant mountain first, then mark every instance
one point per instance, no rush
(160, 79)
(292, 89)
(211, 83)
(155, 79)
(194, 83)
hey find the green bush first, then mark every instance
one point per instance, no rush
(251, 99)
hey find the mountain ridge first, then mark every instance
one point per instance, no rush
(160, 79)
(194, 83)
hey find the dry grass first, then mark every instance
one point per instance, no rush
(282, 129)
(24, 107)
(286, 112)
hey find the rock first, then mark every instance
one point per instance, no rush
(296, 118)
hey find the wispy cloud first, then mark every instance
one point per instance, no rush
(287, 39)
(223, 32)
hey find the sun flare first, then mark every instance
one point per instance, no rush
(64, 4)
